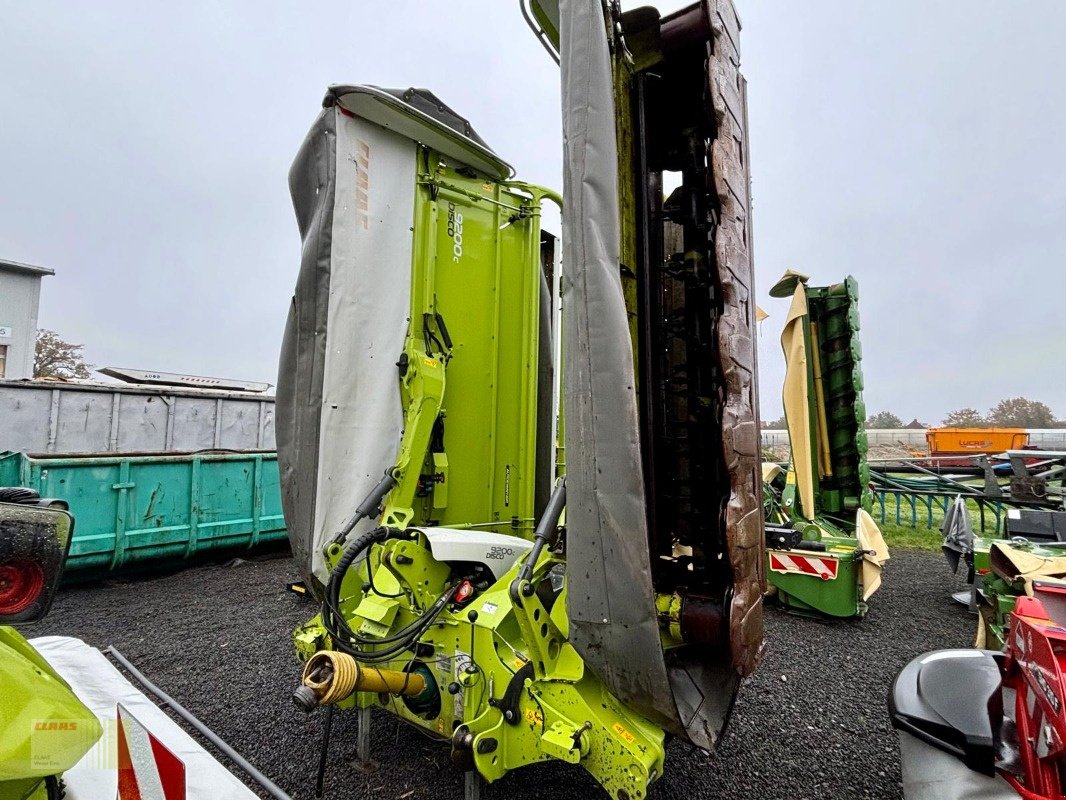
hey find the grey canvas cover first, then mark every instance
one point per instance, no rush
(958, 533)
(312, 184)
(611, 600)
(339, 417)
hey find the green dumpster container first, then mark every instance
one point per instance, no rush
(133, 509)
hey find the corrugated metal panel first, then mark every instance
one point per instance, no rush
(46, 417)
(134, 509)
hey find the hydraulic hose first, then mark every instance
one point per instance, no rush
(369, 504)
(348, 641)
(343, 637)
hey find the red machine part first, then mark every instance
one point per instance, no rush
(464, 592)
(21, 583)
(1034, 669)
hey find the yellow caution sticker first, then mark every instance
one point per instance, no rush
(620, 729)
(430, 362)
(534, 717)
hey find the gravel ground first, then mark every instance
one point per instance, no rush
(811, 723)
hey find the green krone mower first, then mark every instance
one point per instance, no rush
(825, 553)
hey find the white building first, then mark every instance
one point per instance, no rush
(20, 296)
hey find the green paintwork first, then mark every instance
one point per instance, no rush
(135, 509)
(620, 748)
(834, 311)
(840, 597)
(831, 340)
(997, 596)
(995, 607)
(622, 69)
(477, 264)
(33, 697)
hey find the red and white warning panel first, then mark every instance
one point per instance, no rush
(793, 563)
(143, 753)
(147, 770)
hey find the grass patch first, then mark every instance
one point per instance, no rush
(907, 538)
(925, 534)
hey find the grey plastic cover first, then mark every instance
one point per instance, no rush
(932, 774)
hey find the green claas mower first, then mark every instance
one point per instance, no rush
(521, 473)
(824, 550)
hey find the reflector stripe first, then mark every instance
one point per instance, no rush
(147, 770)
(824, 568)
(127, 780)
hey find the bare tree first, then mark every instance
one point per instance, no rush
(965, 418)
(1018, 412)
(57, 358)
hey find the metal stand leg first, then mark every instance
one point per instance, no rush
(362, 735)
(472, 786)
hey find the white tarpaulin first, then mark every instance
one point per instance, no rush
(101, 687)
(369, 296)
(339, 416)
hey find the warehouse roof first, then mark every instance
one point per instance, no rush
(17, 266)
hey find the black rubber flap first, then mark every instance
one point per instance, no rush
(1048, 526)
(951, 699)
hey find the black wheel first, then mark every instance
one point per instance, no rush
(54, 786)
(18, 494)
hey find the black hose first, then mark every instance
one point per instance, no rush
(369, 504)
(327, 725)
(370, 579)
(331, 602)
(403, 640)
(344, 638)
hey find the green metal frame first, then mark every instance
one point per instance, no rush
(467, 459)
(835, 405)
(834, 331)
(475, 282)
(507, 635)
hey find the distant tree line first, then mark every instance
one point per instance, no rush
(1014, 412)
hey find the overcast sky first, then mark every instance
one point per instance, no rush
(918, 146)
